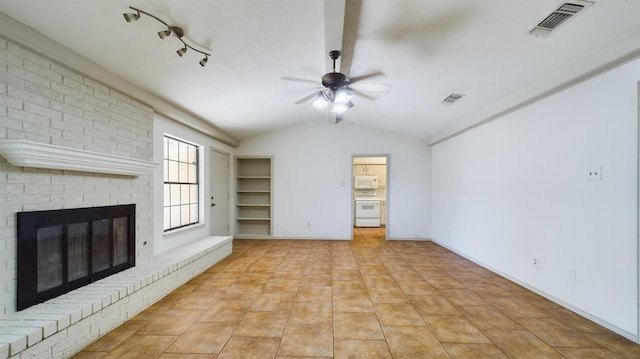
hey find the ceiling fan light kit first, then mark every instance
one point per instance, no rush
(177, 31)
(340, 108)
(342, 96)
(321, 101)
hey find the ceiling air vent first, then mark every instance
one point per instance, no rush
(449, 100)
(559, 17)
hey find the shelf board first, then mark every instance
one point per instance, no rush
(253, 219)
(253, 191)
(252, 236)
(253, 177)
(252, 205)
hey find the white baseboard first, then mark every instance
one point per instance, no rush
(560, 302)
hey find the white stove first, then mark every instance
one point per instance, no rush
(367, 209)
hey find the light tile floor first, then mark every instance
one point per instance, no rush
(366, 298)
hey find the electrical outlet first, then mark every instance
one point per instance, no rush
(536, 262)
(594, 174)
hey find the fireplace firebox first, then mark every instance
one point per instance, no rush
(62, 250)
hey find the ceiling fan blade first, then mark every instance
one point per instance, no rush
(307, 98)
(360, 94)
(370, 87)
(287, 78)
(365, 76)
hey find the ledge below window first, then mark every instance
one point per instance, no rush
(23, 153)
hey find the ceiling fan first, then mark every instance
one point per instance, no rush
(337, 89)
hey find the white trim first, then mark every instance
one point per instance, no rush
(637, 339)
(23, 153)
(173, 232)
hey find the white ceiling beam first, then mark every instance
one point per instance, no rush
(334, 16)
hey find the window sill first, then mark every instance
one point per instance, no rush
(175, 232)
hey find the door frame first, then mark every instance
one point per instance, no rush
(386, 194)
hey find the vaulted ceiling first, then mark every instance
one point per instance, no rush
(425, 49)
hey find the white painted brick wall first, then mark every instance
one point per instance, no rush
(43, 101)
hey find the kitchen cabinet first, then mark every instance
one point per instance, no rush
(383, 213)
(359, 170)
(372, 170)
(253, 196)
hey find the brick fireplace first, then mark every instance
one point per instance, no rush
(48, 104)
(68, 141)
(52, 105)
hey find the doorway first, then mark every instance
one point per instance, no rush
(219, 193)
(370, 191)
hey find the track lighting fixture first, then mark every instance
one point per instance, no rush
(129, 17)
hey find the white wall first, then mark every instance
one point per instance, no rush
(161, 126)
(516, 188)
(313, 184)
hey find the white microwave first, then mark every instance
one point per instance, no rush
(365, 182)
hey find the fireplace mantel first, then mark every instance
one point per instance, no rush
(23, 153)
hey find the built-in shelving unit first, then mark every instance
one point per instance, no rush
(253, 196)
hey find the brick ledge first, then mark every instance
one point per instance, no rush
(27, 328)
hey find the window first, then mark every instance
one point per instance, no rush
(180, 183)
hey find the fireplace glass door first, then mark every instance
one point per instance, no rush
(62, 250)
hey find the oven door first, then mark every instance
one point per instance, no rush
(367, 209)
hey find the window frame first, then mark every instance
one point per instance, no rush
(191, 183)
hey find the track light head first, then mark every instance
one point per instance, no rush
(131, 16)
(164, 33)
(171, 30)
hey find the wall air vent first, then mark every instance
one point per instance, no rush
(559, 17)
(449, 100)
